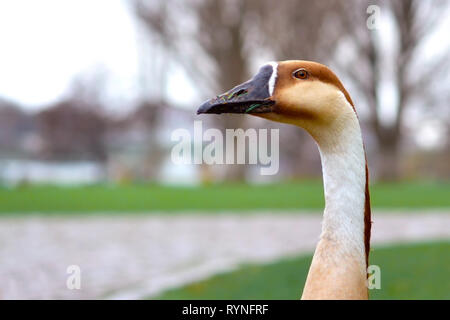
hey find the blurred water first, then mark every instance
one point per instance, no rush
(13, 172)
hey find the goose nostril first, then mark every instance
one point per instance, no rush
(240, 93)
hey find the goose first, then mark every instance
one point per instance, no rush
(309, 95)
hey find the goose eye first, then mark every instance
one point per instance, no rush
(300, 74)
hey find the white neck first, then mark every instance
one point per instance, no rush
(344, 179)
(338, 269)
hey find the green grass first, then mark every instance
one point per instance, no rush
(237, 197)
(419, 271)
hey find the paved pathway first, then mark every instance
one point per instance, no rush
(137, 256)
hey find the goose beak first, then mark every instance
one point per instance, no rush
(249, 97)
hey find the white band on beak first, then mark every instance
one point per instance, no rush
(273, 77)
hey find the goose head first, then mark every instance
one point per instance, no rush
(303, 93)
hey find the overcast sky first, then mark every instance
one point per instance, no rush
(45, 44)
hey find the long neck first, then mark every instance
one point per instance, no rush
(338, 269)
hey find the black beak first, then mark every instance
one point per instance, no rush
(253, 96)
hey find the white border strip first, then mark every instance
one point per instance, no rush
(273, 77)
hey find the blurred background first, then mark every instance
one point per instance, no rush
(90, 92)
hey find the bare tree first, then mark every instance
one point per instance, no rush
(207, 39)
(414, 80)
(216, 41)
(74, 128)
(16, 126)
